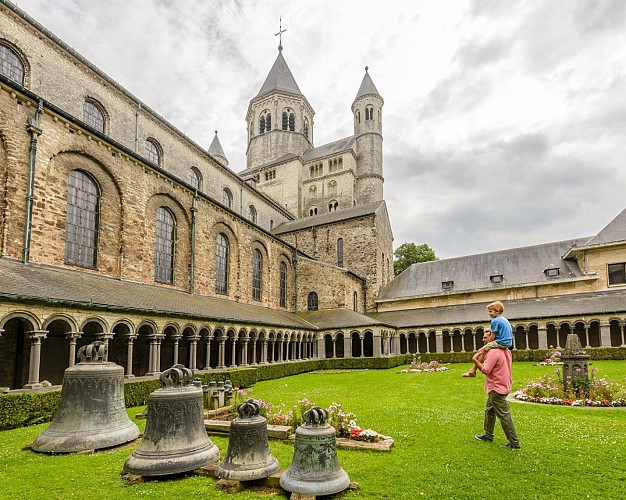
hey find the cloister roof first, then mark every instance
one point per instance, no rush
(338, 319)
(40, 283)
(582, 304)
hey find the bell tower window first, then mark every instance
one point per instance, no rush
(289, 120)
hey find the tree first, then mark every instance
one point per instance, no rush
(410, 253)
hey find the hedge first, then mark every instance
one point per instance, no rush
(28, 408)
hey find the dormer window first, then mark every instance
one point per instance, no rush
(447, 285)
(496, 278)
(552, 271)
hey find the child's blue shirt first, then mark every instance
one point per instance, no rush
(502, 328)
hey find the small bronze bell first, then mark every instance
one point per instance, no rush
(175, 439)
(92, 412)
(248, 456)
(315, 469)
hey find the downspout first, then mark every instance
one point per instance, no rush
(294, 260)
(192, 261)
(35, 132)
(137, 111)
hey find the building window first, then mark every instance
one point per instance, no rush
(93, 116)
(333, 206)
(257, 270)
(194, 178)
(271, 224)
(355, 300)
(252, 213)
(340, 252)
(227, 198)
(312, 192)
(332, 187)
(496, 278)
(369, 113)
(221, 264)
(164, 255)
(289, 120)
(358, 116)
(447, 285)
(552, 271)
(81, 228)
(265, 122)
(311, 302)
(305, 130)
(10, 64)
(283, 285)
(152, 151)
(617, 274)
(312, 211)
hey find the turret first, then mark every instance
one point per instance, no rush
(367, 110)
(216, 151)
(279, 119)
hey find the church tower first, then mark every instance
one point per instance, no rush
(367, 110)
(279, 118)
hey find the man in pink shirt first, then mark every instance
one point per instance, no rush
(497, 370)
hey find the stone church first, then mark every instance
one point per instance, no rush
(115, 225)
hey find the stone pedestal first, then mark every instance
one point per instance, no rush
(575, 362)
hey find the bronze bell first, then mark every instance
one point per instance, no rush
(175, 439)
(248, 456)
(315, 470)
(92, 413)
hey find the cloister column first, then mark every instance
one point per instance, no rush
(587, 346)
(280, 351)
(176, 339)
(542, 336)
(244, 354)
(427, 342)
(334, 342)
(264, 351)
(254, 347)
(605, 335)
(438, 340)
(35, 338)
(73, 337)
(376, 344)
(193, 352)
(233, 357)
(105, 338)
(362, 339)
(157, 361)
(526, 336)
(207, 364)
(347, 346)
(221, 354)
(129, 355)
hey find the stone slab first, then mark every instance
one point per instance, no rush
(222, 428)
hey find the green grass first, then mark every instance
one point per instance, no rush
(566, 452)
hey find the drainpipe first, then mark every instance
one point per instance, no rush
(138, 110)
(192, 265)
(35, 132)
(294, 260)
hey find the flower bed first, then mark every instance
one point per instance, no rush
(583, 390)
(417, 366)
(554, 359)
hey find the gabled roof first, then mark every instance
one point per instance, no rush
(345, 144)
(329, 218)
(279, 79)
(518, 267)
(367, 86)
(614, 232)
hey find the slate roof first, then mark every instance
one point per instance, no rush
(215, 149)
(518, 266)
(338, 319)
(614, 232)
(367, 86)
(345, 144)
(582, 304)
(32, 282)
(328, 218)
(279, 79)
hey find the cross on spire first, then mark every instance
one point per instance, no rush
(280, 33)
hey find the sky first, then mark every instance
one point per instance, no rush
(504, 122)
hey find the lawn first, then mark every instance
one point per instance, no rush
(566, 452)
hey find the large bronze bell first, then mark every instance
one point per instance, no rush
(92, 413)
(315, 469)
(175, 439)
(248, 456)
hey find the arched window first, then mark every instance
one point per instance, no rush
(257, 271)
(332, 187)
(358, 116)
(312, 192)
(153, 151)
(340, 252)
(333, 206)
(355, 298)
(252, 213)
(81, 227)
(311, 301)
(93, 116)
(194, 178)
(227, 198)
(221, 264)
(11, 65)
(305, 130)
(265, 122)
(312, 211)
(164, 254)
(283, 285)
(369, 113)
(289, 120)
(271, 224)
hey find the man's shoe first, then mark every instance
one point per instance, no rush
(511, 446)
(482, 437)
